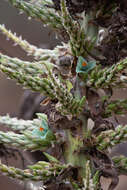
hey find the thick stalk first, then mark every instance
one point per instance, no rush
(73, 155)
(74, 142)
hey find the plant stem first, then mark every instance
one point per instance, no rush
(72, 149)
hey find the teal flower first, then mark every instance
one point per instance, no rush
(42, 131)
(83, 66)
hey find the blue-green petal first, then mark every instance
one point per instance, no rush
(84, 69)
(44, 124)
(38, 133)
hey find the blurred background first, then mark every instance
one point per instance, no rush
(11, 94)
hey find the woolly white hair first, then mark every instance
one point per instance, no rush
(102, 34)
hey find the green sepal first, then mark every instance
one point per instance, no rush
(84, 69)
(42, 116)
(49, 136)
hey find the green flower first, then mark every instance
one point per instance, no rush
(83, 66)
